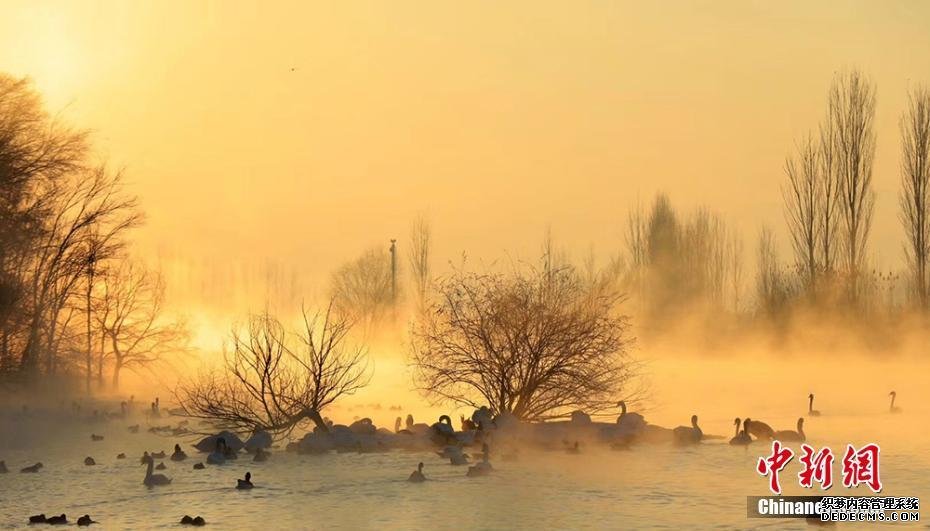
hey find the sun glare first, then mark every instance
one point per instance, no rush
(55, 60)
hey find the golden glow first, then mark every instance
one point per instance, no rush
(299, 133)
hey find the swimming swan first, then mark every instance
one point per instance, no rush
(688, 434)
(218, 456)
(893, 408)
(792, 436)
(417, 475)
(634, 420)
(86, 520)
(442, 431)
(811, 412)
(484, 467)
(741, 438)
(152, 480)
(758, 429)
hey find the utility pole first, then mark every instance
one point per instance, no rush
(393, 272)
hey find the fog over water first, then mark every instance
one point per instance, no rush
(649, 485)
(273, 149)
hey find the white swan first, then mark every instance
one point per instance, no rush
(258, 439)
(688, 434)
(893, 408)
(218, 456)
(811, 412)
(792, 436)
(758, 429)
(417, 475)
(152, 480)
(442, 431)
(628, 427)
(484, 467)
(633, 420)
(458, 458)
(741, 437)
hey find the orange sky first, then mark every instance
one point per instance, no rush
(496, 120)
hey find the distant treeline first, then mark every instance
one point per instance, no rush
(681, 267)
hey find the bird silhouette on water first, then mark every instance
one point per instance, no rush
(244, 484)
(195, 521)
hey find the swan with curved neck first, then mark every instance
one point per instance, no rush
(792, 436)
(152, 480)
(688, 434)
(893, 408)
(417, 475)
(631, 419)
(741, 438)
(758, 429)
(442, 431)
(811, 412)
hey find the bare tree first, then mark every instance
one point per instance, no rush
(828, 199)
(420, 241)
(131, 316)
(802, 195)
(771, 286)
(536, 345)
(276, 380)
(851, 113)
(89, 216)
(637, 249)
(735, 268)
(36, 154)
(915, 191)
(362, 289)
